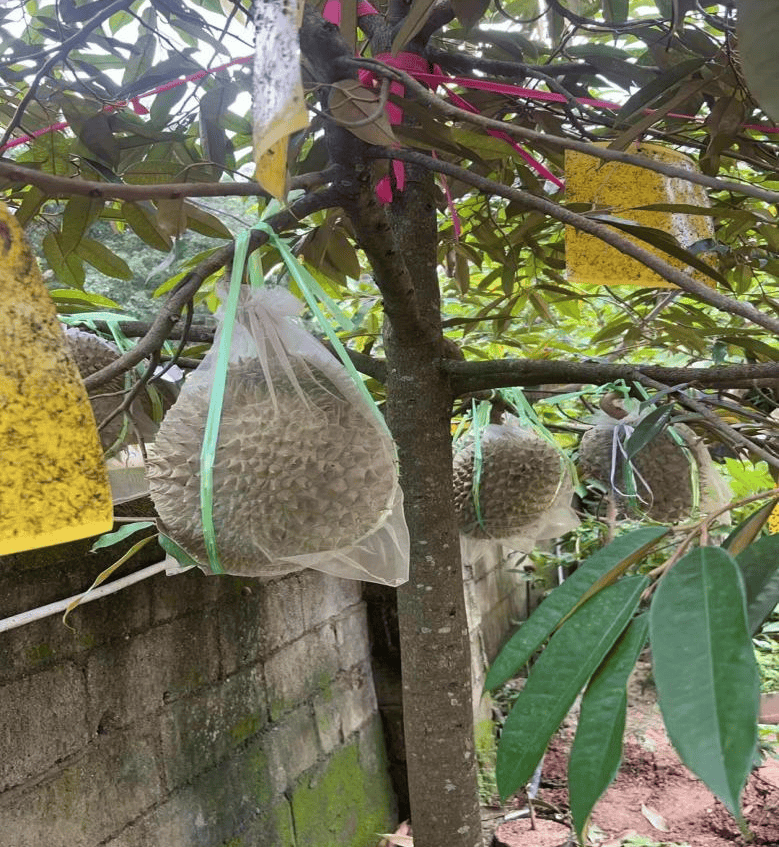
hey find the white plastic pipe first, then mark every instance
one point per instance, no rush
(168, 564)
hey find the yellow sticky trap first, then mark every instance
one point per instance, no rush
(773, 520)
(617, 189)
(278, 109)
(53, 483)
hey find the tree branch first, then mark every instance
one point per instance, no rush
(185, 290)
(368, 365)
(464, 63)
(62, 186)
(605, 153)
(547, 207)
(469, 377)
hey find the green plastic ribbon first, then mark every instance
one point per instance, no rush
(480, 418)
(312, 292)
(211, 435)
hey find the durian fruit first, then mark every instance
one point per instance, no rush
(524, 488)
(661, 471)
(298, 468)
(92, 353)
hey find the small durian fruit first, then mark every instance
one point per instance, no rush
(520, 479)
(298, 469)
(661, 470)
(91, 354)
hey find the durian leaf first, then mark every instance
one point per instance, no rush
(618, 555)
(571, 657)
(205, 223)
(759, 566)
(142, 218)
(68, 299)
(412, 23)
(649, 428)
(758, 31)
(111, 538)
(748, 530)
(100, 257)
(660, 86)
(705, 670)
(103, 576)
(663, 241)
(179, 554)
(79, 215)
(468, 12)
(597, 747)
(350, 103)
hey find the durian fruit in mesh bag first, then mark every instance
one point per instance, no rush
(672, 475)
(304, 471)
(92, 353)
(524, 488)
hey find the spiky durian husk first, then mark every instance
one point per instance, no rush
(91, 354)
(662, 464)
(298, 470)
(520, 478)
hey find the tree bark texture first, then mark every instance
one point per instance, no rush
(434, 638)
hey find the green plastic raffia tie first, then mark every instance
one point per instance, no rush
(211, 434)
(312, 292)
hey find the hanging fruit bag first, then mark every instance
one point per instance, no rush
(512, 482)
(660, 471)
(275, 458)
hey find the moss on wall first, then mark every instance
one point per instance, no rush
(349, 800)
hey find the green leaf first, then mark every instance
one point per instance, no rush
(619, 554)
(663, 241)
(111, 538)
(468, 12)
(204, 222)
(748, 530)
(100, 257)
(759, 565)
(650, 427)
(81, 299)
(213, 137)
(67, 267)
(597, 747)
(80, 213)
(179, 554)
(705, 670)
(661, 85)
(412, 23)
(615, 11)
(758, 34)
(571, 657)
(142, 219)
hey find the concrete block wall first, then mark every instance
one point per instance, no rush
(187, 710)
(498, 595)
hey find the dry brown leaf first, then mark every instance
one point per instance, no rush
(351, 102)
(655, 818)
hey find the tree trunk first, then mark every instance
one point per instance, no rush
(435, 645)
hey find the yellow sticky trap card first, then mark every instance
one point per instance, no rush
(617, 189)
(53, 483)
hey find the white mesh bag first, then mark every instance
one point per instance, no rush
(304, 469)
(512, 485)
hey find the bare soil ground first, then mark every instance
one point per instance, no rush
(654, 800)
